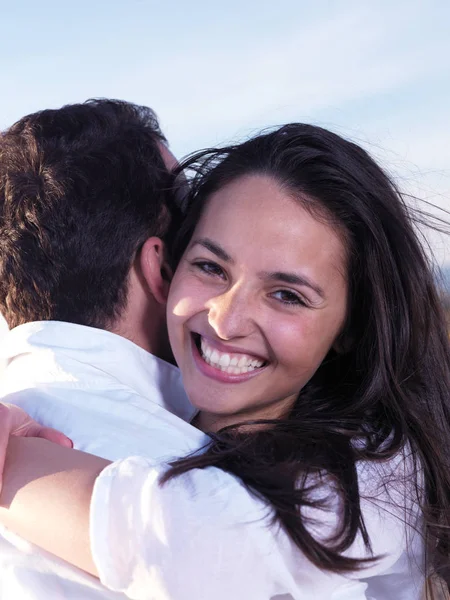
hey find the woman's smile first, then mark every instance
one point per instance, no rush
(226, 365)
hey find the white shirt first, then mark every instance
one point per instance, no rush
(112, 399)
(203, 536)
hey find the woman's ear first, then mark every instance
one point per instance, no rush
(155, 268)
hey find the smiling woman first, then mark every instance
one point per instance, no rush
(257, 301)
(299, 256)
(310, 337)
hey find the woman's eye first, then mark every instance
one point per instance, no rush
(287, 297)
(208, 267)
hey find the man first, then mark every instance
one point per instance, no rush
(84, 275)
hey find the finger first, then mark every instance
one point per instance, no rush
(47, 433)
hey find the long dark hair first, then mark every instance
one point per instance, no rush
(386, 389)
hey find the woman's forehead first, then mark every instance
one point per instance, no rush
(255, 218)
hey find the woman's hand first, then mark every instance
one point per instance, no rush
(15, 421)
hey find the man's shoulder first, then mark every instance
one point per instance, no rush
(110, 423)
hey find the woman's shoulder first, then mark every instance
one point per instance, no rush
(389, 498)
(394, 484)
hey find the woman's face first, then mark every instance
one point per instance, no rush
(257, 301)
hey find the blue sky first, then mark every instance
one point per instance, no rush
(377, 72)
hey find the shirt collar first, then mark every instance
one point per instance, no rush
(99, 354)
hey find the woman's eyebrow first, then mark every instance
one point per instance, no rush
(293, 279)
(214, 248)
(290, 278)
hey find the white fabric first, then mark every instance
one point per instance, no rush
(112, 399)
(203, 536)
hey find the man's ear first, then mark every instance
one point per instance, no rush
(155, 268)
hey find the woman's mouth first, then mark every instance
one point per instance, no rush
(233, 365)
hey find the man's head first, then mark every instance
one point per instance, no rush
(83, 202)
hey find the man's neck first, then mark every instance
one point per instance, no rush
(153, 339)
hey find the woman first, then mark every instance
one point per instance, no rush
(305, 322)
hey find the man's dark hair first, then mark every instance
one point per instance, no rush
(81, 189)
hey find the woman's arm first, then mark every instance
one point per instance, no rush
(201, 535)
(193, 537)
(55, 482)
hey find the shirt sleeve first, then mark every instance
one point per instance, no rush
(200, 536)
(194, 537)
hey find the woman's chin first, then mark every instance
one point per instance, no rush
(212, 406)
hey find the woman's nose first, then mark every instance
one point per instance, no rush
(230, 315)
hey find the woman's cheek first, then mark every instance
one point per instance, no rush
(285, 340)
(298, 343)
(187, 303)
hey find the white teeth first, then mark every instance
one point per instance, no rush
(206, 351)
(242, 362)
(223, 361)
